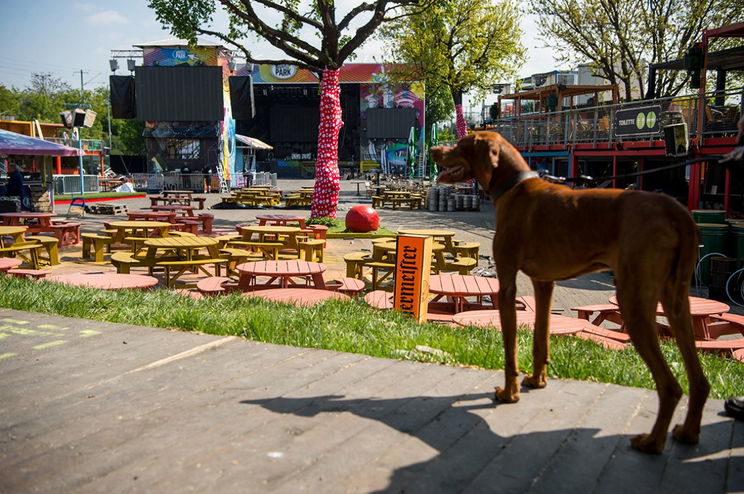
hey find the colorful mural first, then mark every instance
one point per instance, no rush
(170, 57)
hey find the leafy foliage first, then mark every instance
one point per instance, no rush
(458, 47)
(620, 37)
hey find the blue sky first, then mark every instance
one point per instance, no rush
(64, 37)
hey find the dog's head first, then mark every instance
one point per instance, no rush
(474, 156)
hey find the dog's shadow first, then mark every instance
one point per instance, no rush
(472, 457)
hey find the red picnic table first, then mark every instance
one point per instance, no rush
(175, 208)
(302, 297)
(701, 310)
(459, 287)
(66, 232)
(492, 318)
(106, 281)
(284, 271)
(281, 220)
(168, 217)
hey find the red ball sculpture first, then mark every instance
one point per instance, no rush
(362, 219)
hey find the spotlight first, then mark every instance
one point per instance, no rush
(114, 64)
(130, 64)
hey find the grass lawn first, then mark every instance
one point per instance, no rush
(337, 229)
(353, 327)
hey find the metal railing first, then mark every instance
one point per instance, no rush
(169, 181)
(596, 124)
(70, 184)
(88, 144)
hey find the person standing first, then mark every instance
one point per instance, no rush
(14, 187)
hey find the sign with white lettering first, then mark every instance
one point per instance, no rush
(637, 121)
(412, 270)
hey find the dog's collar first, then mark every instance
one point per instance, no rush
(504, 187)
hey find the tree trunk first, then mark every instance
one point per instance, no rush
(461, 127)
(325, 193)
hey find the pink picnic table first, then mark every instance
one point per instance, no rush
(7, 263)
(459, 287)
(107, 281)
(492, 318)
(281, 220)
(284, 271)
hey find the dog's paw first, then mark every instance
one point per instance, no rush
(534, 382)
(679, 433)
(644, 444)
(502, 396)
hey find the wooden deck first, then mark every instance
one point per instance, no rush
(94, 407)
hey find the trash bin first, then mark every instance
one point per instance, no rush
(716, 216)
(736, 243)
(713, 238)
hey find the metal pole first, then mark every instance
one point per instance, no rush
(80, 162)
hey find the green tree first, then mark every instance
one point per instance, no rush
(619, 38)
(311, 35)
(459, 46)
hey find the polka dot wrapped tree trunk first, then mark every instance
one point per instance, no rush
(461, 127)
(325, 193)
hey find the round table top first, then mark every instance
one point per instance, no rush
(12, 230)
(9, 263)
(428, 233)
(491, 318)
(181, 242)
(279, 217)
(106, 281)
(139, 224)
(698, 306)
(270, 229)
(27, 215)
(463, 285)
(281, 268)
(303, 297)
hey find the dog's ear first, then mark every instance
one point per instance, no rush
(486, 151)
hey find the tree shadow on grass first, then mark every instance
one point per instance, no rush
(471, 457)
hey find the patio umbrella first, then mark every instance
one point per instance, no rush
(411, 158)
(433, 141)
(12, 143)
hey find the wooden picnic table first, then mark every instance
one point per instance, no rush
(302, 297)
(701, 310)
(183, 210)
(444, 237)
(7, 263)
(143, 229)
(283, 271)
(280, 220)
(182, 253)
(459, 287)
(165, 216)
(36, 222)
(106, 281)
(491, 318)
(14, 232)
(181, 194)
(286, 235)
(386, 251)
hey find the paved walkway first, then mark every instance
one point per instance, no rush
(93, 407)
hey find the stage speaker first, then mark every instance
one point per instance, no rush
(66, 118)
(241, 97)
(123, 104)
(676, 141)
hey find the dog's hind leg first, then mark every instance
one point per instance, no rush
(677, 309)
(507, 310)
(541, 342)
(637, 294)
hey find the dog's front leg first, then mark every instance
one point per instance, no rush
(507, 294)
(541, 345)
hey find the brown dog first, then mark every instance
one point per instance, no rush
(552, 233)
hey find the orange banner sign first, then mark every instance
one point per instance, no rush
(412, 269)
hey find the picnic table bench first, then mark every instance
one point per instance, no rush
(155, 200)
(413, 201)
